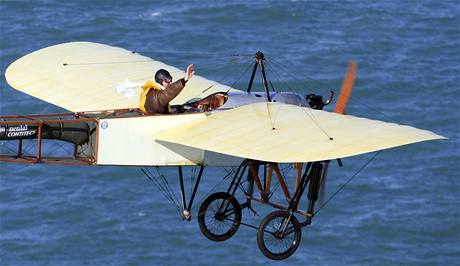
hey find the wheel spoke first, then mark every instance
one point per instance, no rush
(220, 216)
(279, 235)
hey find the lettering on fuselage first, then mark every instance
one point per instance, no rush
(19, 131)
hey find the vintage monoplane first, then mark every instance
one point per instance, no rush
(215, 125)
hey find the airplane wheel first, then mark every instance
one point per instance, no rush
(219, 216)
(271, 240)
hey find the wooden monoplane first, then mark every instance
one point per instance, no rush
(214, 125)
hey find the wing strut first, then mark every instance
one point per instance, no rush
(186, 208)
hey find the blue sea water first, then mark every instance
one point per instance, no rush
(403, 208)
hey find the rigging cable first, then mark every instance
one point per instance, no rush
(233, 84)
(194, 54)
(214, 187)
(224, 78)
(288, 71)
(347, 182)
(360, 103)
(164, 190)
(167, 186)
(308, 111)
(220, 182)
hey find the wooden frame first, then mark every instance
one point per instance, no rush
(39, 121)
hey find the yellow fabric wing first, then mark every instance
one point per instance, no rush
(286, 133)
(82, 76)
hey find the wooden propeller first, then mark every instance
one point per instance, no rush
(347, 87)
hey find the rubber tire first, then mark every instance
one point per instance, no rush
(204, 208)
(294, 245)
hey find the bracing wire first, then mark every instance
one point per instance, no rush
(224, 78)
(165, 190)
(196, 54)
(277, 77)
(278, 73)
(241, 75)
(347, 182)
(310, 114)
(213, 188)
(107, 63)
(230, 173)
(166, 184)
(160, 185)
(270, 116)
(289, 72)
(5, 144)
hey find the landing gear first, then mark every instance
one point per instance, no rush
(219, 216)
(279, 235)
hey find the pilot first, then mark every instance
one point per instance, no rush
(155, 96)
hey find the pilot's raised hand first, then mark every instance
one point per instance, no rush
(189, 72)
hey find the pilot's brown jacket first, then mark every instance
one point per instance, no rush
(157, 101)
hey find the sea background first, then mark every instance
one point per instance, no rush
(403, 208)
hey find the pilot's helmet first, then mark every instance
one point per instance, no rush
(162, 75)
